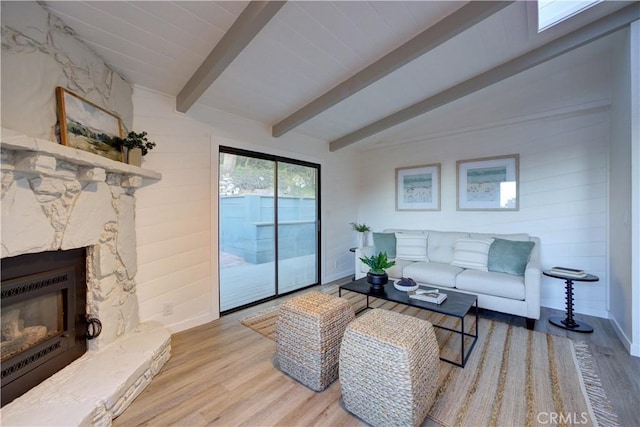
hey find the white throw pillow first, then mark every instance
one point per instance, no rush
(472, 253)
(412, 247)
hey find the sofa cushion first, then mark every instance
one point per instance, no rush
(397, 270)
(412, 247)
(433, 273)
(441, 245)
(491, 283)
(385, 242)
(472, 253)
(507, 256)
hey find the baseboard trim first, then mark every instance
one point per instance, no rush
(626, 342)
(337, 276)
(192, 323)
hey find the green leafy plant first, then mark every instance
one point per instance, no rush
(378, 263)
(135, 140)
(360, 228)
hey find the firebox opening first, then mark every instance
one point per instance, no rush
(43, 317)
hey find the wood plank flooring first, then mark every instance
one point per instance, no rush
(222, 374)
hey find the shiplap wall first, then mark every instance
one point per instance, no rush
(557, 118)
(177, 217)
(173, 217)
(634, 53)
(563, 194)
(620, 192)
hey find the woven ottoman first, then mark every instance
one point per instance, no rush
(389, 367)
(309, 330)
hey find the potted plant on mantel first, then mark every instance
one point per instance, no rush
(377, 276)
(132, 142)
(362, 229)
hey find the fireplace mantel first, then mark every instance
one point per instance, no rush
(15, 141)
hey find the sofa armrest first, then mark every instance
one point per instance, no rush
(532, 278)
(360, 267)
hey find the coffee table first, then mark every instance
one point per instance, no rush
(457, 305)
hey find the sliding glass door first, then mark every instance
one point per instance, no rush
(297, 226)
(268, 227)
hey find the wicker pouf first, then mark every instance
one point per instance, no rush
(389, 367)
(309, 330)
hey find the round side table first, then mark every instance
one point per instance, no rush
(568, 322)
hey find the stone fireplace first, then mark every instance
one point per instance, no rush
(59, 198)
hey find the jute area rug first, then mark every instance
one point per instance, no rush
(514, 377)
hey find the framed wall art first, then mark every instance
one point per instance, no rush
(488, 184)
(418, 188)
(85, 126)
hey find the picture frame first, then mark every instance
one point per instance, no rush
(488, 184)
(418, 188)
(86, 126)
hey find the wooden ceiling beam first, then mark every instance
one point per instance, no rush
(248, 24)
(587, 34)
(450, 26)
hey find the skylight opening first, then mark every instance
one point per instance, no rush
(552, 12)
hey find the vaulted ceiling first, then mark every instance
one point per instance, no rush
(344, 72)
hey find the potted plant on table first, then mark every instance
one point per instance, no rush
(377, 276)
(362, 229)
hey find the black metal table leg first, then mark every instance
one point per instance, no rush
(568, 322)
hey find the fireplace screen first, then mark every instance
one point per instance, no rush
(43, 317)
(28, 323)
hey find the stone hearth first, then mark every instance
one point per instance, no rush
(56, 197)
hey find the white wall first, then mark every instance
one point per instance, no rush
(620, 290)
(634, 53)
(177, 220)
(563, 147)
(563, 194)
(173, 217)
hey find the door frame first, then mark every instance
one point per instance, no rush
(276, 159)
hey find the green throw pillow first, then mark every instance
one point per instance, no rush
(385, 242)
(508, 256)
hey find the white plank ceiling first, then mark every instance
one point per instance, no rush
(306, 49)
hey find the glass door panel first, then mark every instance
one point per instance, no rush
(297, 226)
(268, 227)
(247, 244)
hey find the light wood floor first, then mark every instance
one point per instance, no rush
(222, 374)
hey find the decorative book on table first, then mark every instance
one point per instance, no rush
(566, 271)
(428, 295)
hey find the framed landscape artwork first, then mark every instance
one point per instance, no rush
(488, 184)
(418, 188)
(85, 126)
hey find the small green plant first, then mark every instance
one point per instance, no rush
(135, 140)
(378, 263)
(360, 228)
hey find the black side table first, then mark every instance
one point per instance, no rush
(569, 323)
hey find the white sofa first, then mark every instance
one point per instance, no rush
(441, 264)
